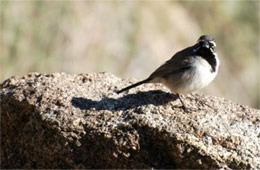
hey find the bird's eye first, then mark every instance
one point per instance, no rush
(212, 44)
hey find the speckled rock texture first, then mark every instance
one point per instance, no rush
(78, 121)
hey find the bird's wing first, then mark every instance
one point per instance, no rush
(180, 61)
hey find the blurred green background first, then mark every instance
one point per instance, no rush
(131, 39)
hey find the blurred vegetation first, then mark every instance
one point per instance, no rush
(131, 39)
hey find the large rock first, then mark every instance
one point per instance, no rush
(78, 121)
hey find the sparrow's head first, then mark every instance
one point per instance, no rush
(206, 48)
(206, 43)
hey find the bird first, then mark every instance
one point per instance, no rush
(188, 70)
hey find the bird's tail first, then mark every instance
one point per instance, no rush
(134, 85)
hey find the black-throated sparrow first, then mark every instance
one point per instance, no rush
(188, 70)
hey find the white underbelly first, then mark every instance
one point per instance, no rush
(190, 80)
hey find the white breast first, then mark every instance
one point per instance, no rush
(197, 77)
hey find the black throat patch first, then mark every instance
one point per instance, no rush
(209, 57)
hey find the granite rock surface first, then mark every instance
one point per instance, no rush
(78, 121)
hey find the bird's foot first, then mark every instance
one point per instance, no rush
(189, 109)
(184, 107)
(202, 102)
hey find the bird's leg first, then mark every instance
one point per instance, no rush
(183, 105)
(187, 109)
